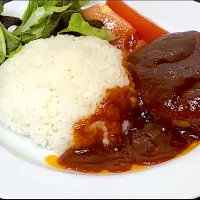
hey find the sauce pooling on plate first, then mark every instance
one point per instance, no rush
(135, 139)
(132, 128)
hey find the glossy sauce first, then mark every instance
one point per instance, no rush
(140, 129)
(141, 142)
(137, 132)
(167, 77)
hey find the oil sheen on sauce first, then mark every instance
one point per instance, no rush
(134, 138)
(139, 128)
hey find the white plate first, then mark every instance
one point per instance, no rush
(23, 173)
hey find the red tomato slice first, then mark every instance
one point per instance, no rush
(126, 38)
(146, 29)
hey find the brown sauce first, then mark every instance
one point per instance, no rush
(141, 130)
(52, 160)
(167, 77)
(143, 143)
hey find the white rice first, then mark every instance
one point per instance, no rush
(52, 83)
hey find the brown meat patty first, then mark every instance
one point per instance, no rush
(167, 77)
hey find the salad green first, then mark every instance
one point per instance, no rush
(79, 25)
(2, 46)
(44, 18)
(1, 6)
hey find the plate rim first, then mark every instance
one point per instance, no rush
(25, 179)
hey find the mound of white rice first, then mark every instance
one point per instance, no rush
(52, 83)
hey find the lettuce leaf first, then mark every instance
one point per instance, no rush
(79, 25)
(44, 18)
(12, 41)
(8, 43)
(40, 15)
(19, 48)
(57, 23)
(9, 21)
(84, 2)
(32, 6)
(27, 37)
(37, 12)
(76, 4)
(51, 25)
(2, 46)
(1, 6)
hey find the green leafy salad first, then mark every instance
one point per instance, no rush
(44, 18)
